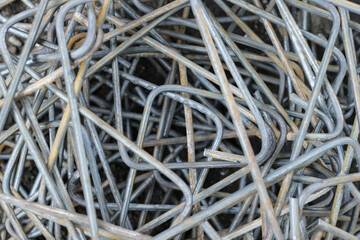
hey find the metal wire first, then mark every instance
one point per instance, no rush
(184, 119)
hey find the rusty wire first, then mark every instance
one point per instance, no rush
(184, 119)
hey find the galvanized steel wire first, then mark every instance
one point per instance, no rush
(183, 119)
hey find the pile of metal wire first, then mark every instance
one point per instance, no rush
(183, 119)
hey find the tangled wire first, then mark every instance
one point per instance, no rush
(183, 119)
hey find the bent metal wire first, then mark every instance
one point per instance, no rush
(179, 119)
